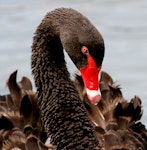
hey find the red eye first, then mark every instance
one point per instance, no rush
(84, 49)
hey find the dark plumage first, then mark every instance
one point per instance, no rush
(67, 115)
(20, 116)
(62, 112)
(113, 119)
(116, 120)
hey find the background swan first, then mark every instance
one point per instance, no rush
(116, 121)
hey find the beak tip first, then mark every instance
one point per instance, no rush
(94, 96)
(95, 100)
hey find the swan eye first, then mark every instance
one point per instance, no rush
(84, 50)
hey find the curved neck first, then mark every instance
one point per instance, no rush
(62, 112)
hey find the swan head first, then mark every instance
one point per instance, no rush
(90, 75)
(87, 53)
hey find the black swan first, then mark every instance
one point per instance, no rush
(62, 112)
(113, 119)
(70, 115)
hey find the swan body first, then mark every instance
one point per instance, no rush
(62, 111)
(116, 121)
(20, 122)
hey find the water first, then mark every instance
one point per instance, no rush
(122, 23)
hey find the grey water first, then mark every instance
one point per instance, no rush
(122, 23)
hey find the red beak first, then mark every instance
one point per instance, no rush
(90, 75)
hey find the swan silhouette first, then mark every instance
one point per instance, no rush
(62, 112)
